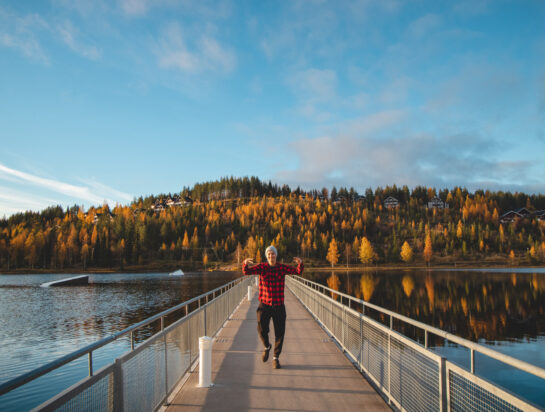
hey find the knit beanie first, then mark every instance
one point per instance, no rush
(272, 249)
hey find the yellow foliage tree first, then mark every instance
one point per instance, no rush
(459, 230)
(333, 253)
(512, 257)
(367, 254)
(406, 252)
(427, 249)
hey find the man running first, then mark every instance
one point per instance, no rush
(271, 297)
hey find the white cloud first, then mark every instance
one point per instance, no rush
(471, 7)
(315, 85)
(135, 7)
(207, 54)
(17, 200)
(69, 35)
(358, 154)
(28, 189)
(20, 33)
(423, 25)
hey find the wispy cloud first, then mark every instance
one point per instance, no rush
(423, 25)
(314, 88)
(69, 35)
(135, 7)
(19, 33)
(26, 189)
(193, 55)
(78, 192)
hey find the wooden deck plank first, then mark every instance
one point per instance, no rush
(315, 375)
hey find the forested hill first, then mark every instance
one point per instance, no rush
(224, 221)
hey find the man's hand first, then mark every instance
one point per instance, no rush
(297, 260)
(248, 261)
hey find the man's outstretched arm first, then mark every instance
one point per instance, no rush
(296, 270)
(249, 270)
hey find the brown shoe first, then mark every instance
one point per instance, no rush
(265, 355)
(276, 363)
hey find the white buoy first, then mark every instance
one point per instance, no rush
(205, 362)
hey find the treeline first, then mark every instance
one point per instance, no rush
(235, 218)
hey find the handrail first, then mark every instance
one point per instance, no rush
(57, 363)
(526, 367)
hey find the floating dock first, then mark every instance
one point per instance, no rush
(73, 281)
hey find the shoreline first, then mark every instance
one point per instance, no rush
(237, 268)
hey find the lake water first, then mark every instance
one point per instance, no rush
(38, 325)
(504, 309)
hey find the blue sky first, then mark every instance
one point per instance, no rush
(110, 100)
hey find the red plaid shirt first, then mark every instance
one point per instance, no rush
(272, 280)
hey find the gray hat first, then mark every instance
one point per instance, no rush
(272, 249)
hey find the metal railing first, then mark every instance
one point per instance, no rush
(409, 375)
(143, 378)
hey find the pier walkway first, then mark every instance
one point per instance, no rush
(315, 375)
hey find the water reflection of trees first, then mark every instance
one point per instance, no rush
(469, 304)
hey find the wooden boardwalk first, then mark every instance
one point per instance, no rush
(315, 375)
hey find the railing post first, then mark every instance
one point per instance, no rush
(205, 334)
(343, 318)
(91, 363)
(389, 366)
(443, 407)
(132, 340)
(118, 401)
(473, 361)
(426, 339)
(166, 368)
(361, 344)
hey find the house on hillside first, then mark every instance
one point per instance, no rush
(391, 202)
(437, 203)
(510, 217)
(158, 207)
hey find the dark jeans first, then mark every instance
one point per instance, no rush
(278, 315)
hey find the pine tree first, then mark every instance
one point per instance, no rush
(333, 253)
(366, 252)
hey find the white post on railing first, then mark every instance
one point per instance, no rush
(443, 401)
(205, 362)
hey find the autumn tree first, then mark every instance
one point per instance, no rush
(512, 258)
(367, 253)
(406, 252)
(205, 259)
(333, 253)
(427, 249)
